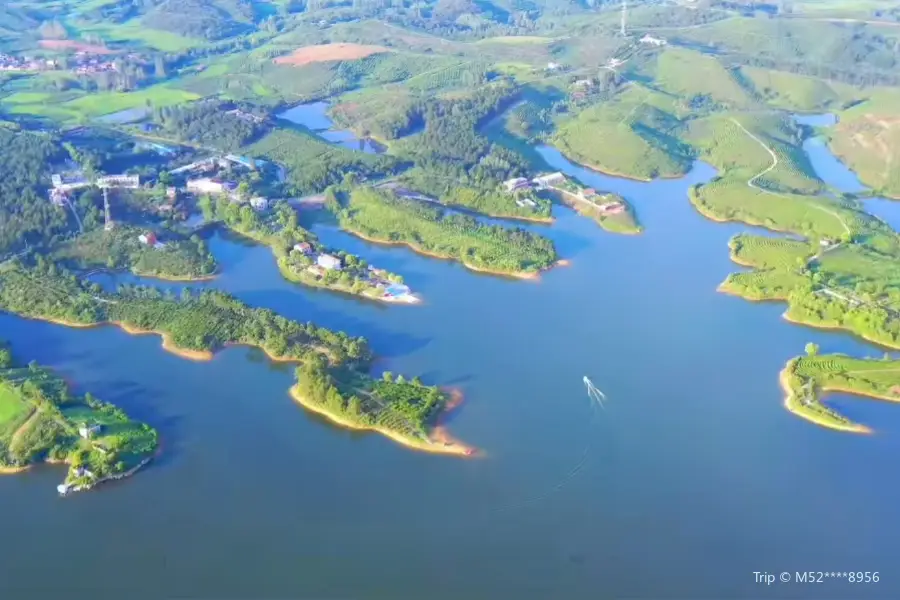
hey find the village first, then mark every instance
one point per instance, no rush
(81, 63)
(211, 177)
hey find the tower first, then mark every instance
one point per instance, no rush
(109, 222)
(624, 17)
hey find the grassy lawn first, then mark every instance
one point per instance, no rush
(12, 407)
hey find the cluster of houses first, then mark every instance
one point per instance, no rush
(517, 186)
(83, 63)
(559, 182)
(149, 239)
(323, 262)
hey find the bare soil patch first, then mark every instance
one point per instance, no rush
(75, 46)
(328, 52)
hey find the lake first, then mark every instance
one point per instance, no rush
(692, 478)
(313, 116)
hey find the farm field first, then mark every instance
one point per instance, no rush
(327, 53)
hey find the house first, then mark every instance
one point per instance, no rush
(518, 183)
(612, 208)
(88, 432)
(328, 261)
(653, 41)
(552, 66)
(242, 161)
(584, 83)
(303, 247)
(588, 193)
(148, 238)
(172, 193)
(825, 242)
(58, 196)
(259, 203)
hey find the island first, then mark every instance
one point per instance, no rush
(333, 377)
(805, 380)
(611, 211)
(379, 216)
(41, 421)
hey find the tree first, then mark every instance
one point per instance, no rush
(388, 377)
(812, 349)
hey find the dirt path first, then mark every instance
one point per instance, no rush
(752, 181)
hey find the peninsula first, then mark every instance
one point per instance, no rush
(302, 258)
(380, 216)
(333, 373)
(40, 421)
(805, 379)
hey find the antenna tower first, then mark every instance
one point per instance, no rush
(109, 222)
(624, 17)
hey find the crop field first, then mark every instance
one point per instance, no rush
(688, 73)
(767, 252)
(134, 32)
(625, 137)
(103, 103)
(733, 200)
(328, 52)
(867, 139)
(790, 91)
(725, 145)
(768, 284)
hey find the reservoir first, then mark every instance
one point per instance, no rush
(692, 478)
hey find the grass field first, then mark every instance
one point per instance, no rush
(766, 252)
(12, 408)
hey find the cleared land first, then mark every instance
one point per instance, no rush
(328, 52)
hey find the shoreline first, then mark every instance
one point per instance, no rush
(885, 345)
(609, 173)
(416, 249)
(175, 278)
(432, 446)
(790, 399)
(13, 470)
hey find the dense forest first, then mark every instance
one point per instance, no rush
(26, 215)
(205, 19)
(222, 125)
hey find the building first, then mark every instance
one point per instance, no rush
(119, 181)
(259, 203)
(588, 193)
(303, 247)
(549, 180)
(519, 183)
(69, 181)
(584, 83)
(653, 41)
(83, 472)
(242, 161)
(172, 193)
(328, 261)
(612, 208)
(205, 185)
(148, 239)
(58, 196)
(552, 66)
(88, 432)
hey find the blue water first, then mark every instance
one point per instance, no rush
(313, 116)
(695, 475)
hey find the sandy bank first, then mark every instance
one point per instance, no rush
(435, 445)
(791, 402)
(418, 250)
(13, 470)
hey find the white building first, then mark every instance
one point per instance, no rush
(205, 185)
(549, 179)
(87, 432)
(552, 66)
(259, 203)
(653, 41)
(516, 184)
(327, 261)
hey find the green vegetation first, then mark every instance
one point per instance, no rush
(334, 366)
(629, 136)
(211, 123)
(701, 79)
(314, 164)
(120, 248)
(40, 421)
(278, 229)
(382, 217)
(866, 138)
(806, 378)
(789, 91)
